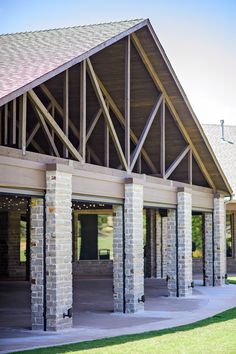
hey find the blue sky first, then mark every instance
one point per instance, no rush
(199, 38)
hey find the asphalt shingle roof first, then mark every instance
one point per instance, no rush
(25, 57)
(224, 151)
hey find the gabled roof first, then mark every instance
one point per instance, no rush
(27, 57)
(31, 58)
(224, 150)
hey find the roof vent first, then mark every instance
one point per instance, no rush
(222, 122)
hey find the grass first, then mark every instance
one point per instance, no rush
(232, 280)
(213, 335)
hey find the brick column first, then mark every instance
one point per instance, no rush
(134, 262)
(171, 252)
(219, 240)
(161, 244)
(158, 246)
(151, 243)
(184, 200)
(118, 283)
(36, 263)
(59, 247)
(208, 240)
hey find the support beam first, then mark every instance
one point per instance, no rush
(72, 126)
(177, 161)
(66, 110)
(121, 119)
(93, 123)
(162, 142)
(82, 140)
(24, 116)
(106, 113)
(145, 131)
(14, 121)
(127, 101)
(190, 167)
(6, 124)
(170, 105)
(106, 144)
(47, 132)
(36, 128)
(49, 119)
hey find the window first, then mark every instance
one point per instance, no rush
(23, 230)
(197, 236)
(229, 234)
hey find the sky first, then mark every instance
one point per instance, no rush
(199, 38)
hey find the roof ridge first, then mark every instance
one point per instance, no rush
(76, 26)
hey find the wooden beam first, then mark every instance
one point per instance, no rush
(47, 133)
(106, 113)
(106, 143)
(49, 119)
(23, 121)
(20, 122)
(145, 131)
(66, 110)
(6, 124)
(33, 133)
(14, 121)
(190, 167)
(82, 140)
(121, 119)
(162, 142)
(93, 123)
(139, 163)
(127, 101)
(177, 161)
(72, 126)
(170, 105)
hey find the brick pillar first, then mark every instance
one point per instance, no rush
(14, 218)
(59, 247)
(219, 240)
(171, 252)
(151, 243)
(36, 262)
(134, 262)
(118, 283)
(184, 199)
(161, 245)
(208, 249)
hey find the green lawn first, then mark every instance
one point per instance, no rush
(232, 280)
(213, 335)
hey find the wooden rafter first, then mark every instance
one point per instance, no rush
(66, 110)
(93, 123)
(106, 113)
(162, 142)
(177, 161)
(127, 101)
(72, 126)
(49, 119)
(145, 131)
(46, 130)
(82, 140)
(121, 119)
(170, 105)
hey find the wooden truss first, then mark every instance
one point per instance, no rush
(82, 151)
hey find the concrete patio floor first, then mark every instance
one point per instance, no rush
(93, 316)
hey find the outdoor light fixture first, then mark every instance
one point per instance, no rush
(68, 314)
(142, 299)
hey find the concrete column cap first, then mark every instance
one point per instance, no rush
(184, 189)
(60, 168)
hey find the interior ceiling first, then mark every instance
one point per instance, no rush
(109, 66)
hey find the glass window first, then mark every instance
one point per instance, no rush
(23, 229)
(197, 237)
(229, 234)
